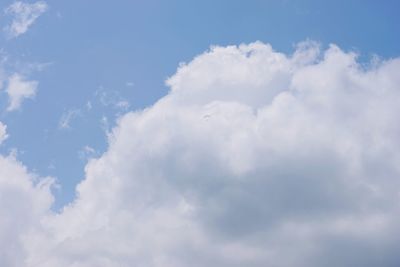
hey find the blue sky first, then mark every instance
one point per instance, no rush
(98, 68)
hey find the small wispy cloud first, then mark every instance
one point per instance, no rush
(89, 105)
(123, 104)
(18, 89)
(111, 99)
(105, 125)
(24, 15)
(67, 117)
(3, 132)
(87, 152)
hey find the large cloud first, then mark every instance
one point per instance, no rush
(254, 158)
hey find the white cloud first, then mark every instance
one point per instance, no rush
(255, 158)
(24, 15)
(18, 89)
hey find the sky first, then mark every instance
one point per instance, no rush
(199, 133)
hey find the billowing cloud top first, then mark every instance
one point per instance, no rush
(254, 158)
(24, 15)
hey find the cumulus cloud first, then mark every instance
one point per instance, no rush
(254, 158)
(24, 15)
(18, 89)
